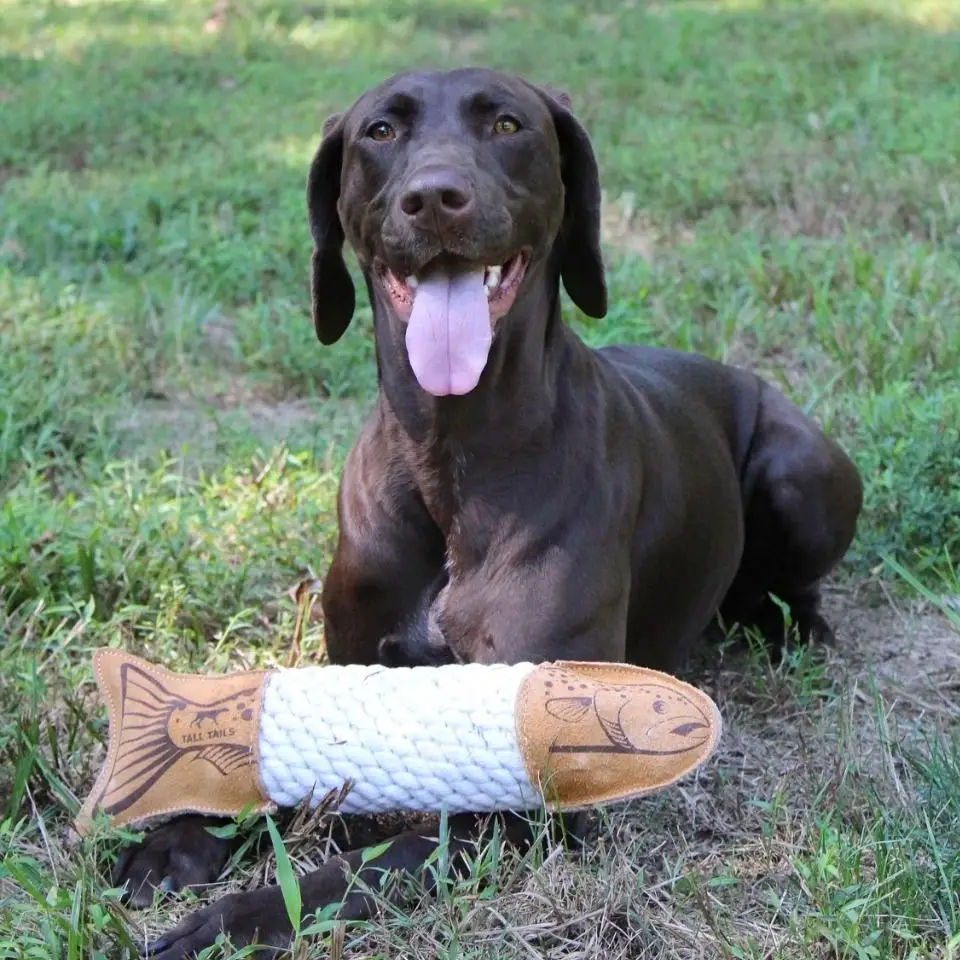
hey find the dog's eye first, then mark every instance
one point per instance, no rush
(506, 124)
(381, 131)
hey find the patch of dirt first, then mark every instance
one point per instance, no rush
(8, 172)
(789, 370)
(818, 191)
(629, 230)
(912, 652)
(699, 866)
(198, 429)
(180, 422)
(74, 158)
(467, 46)
(10, 248)
(220, 336)
(176, 413)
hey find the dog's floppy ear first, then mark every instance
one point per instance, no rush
(561, 96)
(581, 262)
(331, 285)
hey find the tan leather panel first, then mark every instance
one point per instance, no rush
(594, 733)
(178, 742)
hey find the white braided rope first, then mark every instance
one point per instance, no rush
(414, 739)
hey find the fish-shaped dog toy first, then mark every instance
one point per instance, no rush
(461, 737)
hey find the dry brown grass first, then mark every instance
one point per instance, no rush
(709, 868)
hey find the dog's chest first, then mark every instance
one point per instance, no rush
(477, 497)
(470, 516)
(439, 480)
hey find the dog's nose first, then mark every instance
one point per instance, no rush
(437, 198)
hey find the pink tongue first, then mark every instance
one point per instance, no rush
(448, 334)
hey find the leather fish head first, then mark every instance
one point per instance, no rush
(594, 733)
(652, 718)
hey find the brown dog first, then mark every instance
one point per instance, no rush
(516, 495)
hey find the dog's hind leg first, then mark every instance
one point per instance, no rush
(802, 498)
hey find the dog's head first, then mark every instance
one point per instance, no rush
(456, 190)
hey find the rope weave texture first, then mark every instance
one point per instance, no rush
(425, 739)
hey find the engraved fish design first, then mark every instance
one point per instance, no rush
(623, 714)
(160, 728)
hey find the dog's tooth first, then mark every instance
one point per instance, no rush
(412, 282)
(491, 280)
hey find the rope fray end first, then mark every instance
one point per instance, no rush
(595, 733)
(176, 742)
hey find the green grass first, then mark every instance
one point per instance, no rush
(782, 193)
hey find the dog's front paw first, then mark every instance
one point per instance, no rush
(413, 650)
(256, 918)
(178, 855)
(421, 643)
(798, 623)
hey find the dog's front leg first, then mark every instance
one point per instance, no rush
(356, 884)
(388, 557)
